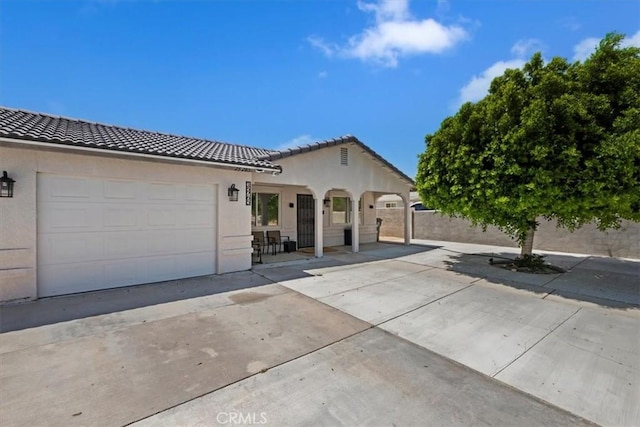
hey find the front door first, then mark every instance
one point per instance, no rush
(306, 221)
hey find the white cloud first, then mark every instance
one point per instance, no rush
(322, 74)
(387, 10)
(524, 48)
(586, 47)
(633, 40)
(297, 142)
(396, 34)
(478, 87)
(321, 45)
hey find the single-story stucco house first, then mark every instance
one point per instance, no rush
(98, 206)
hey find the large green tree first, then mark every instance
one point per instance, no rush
(558, 140)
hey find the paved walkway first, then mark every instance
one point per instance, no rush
(425, 334)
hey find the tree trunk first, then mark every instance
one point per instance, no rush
(527, 245)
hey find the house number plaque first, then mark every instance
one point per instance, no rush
(248, 194)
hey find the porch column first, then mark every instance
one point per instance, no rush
(318, 225)
(407, 220)
(355, 223)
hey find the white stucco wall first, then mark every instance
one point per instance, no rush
(321, 174)
(320, 170)
(18, 216)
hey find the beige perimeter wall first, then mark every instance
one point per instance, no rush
(624, 242)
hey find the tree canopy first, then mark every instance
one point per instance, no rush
(558, 140)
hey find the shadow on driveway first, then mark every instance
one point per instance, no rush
(608, 282)
(63, 308)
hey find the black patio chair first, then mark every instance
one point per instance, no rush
(274, 237)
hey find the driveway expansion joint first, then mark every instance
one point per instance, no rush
(536, 343)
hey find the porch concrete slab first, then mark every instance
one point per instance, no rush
(482, 327)
(383, 301)
(372, 378)
(603, 284)
(116, 377)
(83, 327)
(590, 365)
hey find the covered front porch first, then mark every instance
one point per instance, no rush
(314, 219)
(326, 195)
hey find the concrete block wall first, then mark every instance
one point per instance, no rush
(392, 222)
(431, 225)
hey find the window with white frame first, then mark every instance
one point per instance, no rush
(390, 205)
(341, 210)
(265, 209)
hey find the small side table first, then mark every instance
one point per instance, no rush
(289, 246)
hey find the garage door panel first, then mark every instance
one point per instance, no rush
(69, 278)
(68, 217)
(164, 268)
(124, 244)
(122, 273)
(120, 216)
(99, 233)
(200, 264)
(73, 247)
(66, 188)
(115, 190)
(162, 192)
(162, 241)
(195, 217)
(164, 216)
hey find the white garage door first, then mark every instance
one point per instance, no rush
(104, 233)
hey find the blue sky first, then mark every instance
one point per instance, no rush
(275, 73)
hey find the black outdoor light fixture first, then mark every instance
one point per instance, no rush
(6, 185)
(233, 192)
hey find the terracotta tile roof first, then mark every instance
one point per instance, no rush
(28, 126)
(274, 155)
(25, 125)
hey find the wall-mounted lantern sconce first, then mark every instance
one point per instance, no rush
(370, 206)
(232, 192)
(327, 202)
(291, 205)
(6, 185)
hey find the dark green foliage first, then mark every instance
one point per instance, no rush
(556, 140)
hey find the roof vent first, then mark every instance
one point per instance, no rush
(344, 156)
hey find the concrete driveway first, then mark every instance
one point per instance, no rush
(426, 334)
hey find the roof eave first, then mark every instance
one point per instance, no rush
(258, 166)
